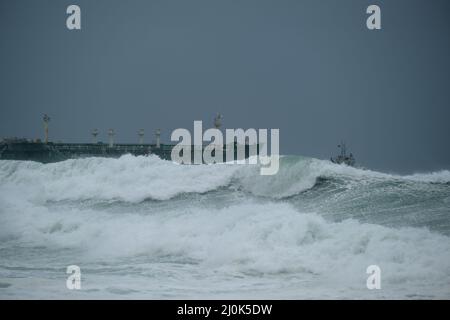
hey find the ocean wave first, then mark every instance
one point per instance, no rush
(442, 176)
(249, 238)
(129, 178)
(232, 224)
(300, 174)
(135, 179)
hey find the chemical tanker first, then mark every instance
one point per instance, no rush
(47, 151)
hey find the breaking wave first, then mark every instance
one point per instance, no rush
(135, 179)
(308, 232)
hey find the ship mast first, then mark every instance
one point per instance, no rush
(218, 121)
(111, 134)
(158, 137)
(343, 151)
(94, 135)
(141, 136)
(46, 121)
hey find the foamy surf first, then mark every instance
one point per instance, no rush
(140, 227)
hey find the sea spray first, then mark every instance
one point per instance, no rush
(141, 227)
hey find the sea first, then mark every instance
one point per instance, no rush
(145, 228)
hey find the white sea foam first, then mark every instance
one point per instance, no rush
(442, 176)
(251, 239)
(129, 178)
(266, 243)
(134, 179)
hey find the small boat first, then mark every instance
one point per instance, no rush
(343, 158)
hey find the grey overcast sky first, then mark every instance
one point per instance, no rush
(310, 68)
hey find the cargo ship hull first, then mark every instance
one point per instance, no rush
(54, 152)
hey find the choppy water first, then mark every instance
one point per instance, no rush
(141, 227)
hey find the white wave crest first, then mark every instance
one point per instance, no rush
(128, 178)
(251, 239)
(134, 179)
(442, 176)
